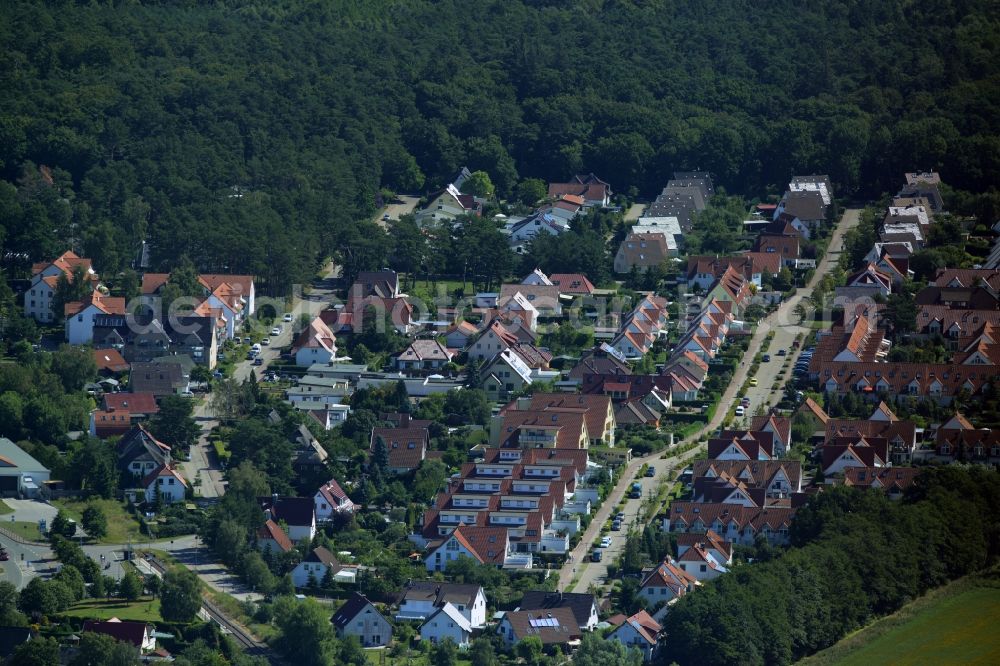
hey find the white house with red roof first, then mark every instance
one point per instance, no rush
(271, 536)
(331, 499)
(315, 344)
(79, 316)
(665, 583)
(484, 545)
(44, 278)
(167, 482)
(639, 631)
(701, 562)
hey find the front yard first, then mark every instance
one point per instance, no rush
(144, 609)
(122, 524)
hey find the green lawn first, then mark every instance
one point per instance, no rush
(145, 609)
(24, 529)
(4, 508)
(955, 625)
(121, 524)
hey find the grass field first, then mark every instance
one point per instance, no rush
(121, 524)
(144, 609)
(413, 658)
(4, 508)
(953, 625)
(24, 529)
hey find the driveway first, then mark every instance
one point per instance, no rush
(29, 511)
(402, 205)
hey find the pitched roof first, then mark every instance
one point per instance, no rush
(317, 335)
(425, 350)
(572, 283)
(785, 246)
(554, 626)
(453, 614)
(643, 250)
(407, 446)
(135, 403)
(110, 360)
(439, 593)
(887, 478)
(580, 603)
(645, 626)
(332, 492)
(295, 511)
(323, 556)
(355, 603)
(811, 406)
(163, 470)
(596, 407)
(270, 530)
(120, 630)
(670, 576)
(487, 544)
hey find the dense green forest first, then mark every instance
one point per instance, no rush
(253, 135)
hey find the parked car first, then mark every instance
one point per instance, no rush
(753, 381)
(246, 341)
(650, 472)
(287, 317)
(616, 525)
(265, 341)
(596, 556)
(766, 358)
(606, 542)
(781, 352)
(276, 330)
(258, 361)
(187, 394)
(740, 411)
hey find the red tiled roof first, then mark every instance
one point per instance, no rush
(136, 403)
(271, 530)
(110, 360)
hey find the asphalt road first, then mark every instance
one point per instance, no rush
(26, 561)
(787, 324)
(203, 465)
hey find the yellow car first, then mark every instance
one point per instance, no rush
(753, 381)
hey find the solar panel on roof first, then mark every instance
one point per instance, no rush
(544, 622)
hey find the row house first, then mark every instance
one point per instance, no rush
(527, 493)
(961, 329)
(733, 523)
(234, 296)
(144, 339)
(841, 453)
(665, 583)
(893, 481)
(641, 327)
(957, 440)
(597, 410)
(704, 271)
(856, 340)
(777, 478)
(940, 382)
(730, 287)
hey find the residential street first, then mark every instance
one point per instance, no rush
(203, 465)
(785, 322)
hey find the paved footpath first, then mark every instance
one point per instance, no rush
(785, 315)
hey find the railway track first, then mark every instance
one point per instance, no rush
(246, 640)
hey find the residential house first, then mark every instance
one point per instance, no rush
(485, 545)
(460, 334)
(787, 247)
(506, 373)
(446, 205)
(110, 362)
(924, 184)
(893, 481)
(669, 227)
(316, 567)
(331, 499)
(79, 315)
(602, 360)
(808, 206)
(160, 379)
(665, 583)
(423, 355)
(595, 192)
(555, 627)
(544, 298)
(139, 453)
(407, 446)
(447, 623)
(315, 344)
(165, 484)
(572, 284)
(718, 547)
(774, 478)
(519, 309)
(699, 561)
(730, 287)
(565, 207)
(957, 440)
(297, 513)
(583, 605)
(382, 284)
(359, 617)
(700, 179)
(421, 599)
(642, 252)
(842, 453)
(38, 299)
(814, 183)
(522, 232)
(137, 634)
(552, 428)
(597, 410)
(732, 522)
(495, 338)
(270, 537)
(641, 632)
